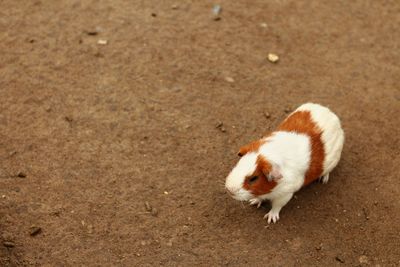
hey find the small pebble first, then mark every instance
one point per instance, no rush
(365, 213)
(8, 244)
(147, 206)
(264, 25)
(154, 212)
(287, 110)
(220, 126)
(166, 193)
(273, 58)
(216, 12)
(267, 115)
(363, 259)
(91, 32)
(68, 118)
(102, 42)
(56, 213)
(174, 6)
(21, 175)
(229, 79)
(35, 230)
(339, 259)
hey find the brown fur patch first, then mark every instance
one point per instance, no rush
(261, 186)
(252, 147)
(301, 122)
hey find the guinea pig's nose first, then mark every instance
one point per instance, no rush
(230, 192)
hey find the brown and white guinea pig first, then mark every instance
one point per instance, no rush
(306, 146)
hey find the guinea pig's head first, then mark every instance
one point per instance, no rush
(252, 176)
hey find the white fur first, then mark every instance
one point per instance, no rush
(291, 153)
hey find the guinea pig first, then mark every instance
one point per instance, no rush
(306, 146)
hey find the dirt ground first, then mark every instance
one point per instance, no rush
(124, 164)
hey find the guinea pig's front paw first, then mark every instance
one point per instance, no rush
(255, 201)
(272, 216)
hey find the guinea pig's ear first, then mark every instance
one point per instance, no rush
(271, 170)
(275, 173)
(243, 151)
(253, 146)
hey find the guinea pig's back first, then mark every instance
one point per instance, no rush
(332, 133)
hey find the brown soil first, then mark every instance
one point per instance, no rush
(99, 130)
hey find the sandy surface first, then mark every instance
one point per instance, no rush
(99, 130)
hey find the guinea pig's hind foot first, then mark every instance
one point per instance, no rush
(324, 179)
(255, 201)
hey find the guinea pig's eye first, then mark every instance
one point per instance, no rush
(253, 179)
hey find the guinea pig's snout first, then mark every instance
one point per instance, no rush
(231, 191)
(233, 186)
